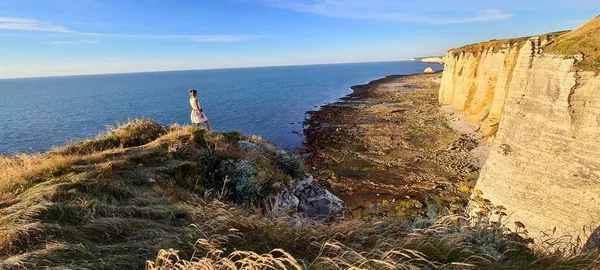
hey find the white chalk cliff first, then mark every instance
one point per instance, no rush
(541, 111)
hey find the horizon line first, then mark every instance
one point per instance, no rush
(222, 68)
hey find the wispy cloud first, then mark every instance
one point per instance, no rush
(430, 12)
(27, 24)
(225, 38)
(196, 38)
(72, 42)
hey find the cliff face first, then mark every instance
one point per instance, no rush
(438, 60)
(542, 114)
(476, 79)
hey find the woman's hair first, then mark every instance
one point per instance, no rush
(194, 92)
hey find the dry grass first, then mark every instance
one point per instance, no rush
(134, 132)
(583, 40)
(498, 44)
(99, 211)
(19, 172)
(446, 243)
(214, 259)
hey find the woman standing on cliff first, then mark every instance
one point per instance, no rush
(197, 114)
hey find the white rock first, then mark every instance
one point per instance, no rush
(285, 203)
(316, 202)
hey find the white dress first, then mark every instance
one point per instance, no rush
(196, 115)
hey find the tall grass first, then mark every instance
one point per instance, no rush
(214, 258)
(134, 132)
(21, 171)
(449, 242)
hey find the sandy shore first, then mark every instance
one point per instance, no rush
(390, 149)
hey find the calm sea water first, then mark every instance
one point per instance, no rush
(39, 113)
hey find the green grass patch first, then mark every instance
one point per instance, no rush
(583, 40)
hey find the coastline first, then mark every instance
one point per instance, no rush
(388, 148)
(281, 94)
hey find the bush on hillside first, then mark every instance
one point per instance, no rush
(246, 179)
(290, 163)
(199, 134)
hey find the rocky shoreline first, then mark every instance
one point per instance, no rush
(389, 149)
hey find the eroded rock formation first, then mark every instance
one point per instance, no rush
(542, 114)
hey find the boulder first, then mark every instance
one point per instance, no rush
(285, 203)
(316, 202)
(428, 70)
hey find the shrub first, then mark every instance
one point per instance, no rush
(209, 165)
(233, 137)
(290, 163)
(246, 180)
(199, 134)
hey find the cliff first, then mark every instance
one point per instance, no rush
(537, 99)
(434, 59)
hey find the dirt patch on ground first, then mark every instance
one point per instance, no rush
(388, 149)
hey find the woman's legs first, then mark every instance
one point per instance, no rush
(207, 126)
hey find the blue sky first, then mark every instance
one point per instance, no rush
(63, 37)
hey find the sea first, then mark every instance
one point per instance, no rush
(37, 114)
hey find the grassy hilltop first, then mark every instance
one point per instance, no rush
(148, 195)
(585, 41)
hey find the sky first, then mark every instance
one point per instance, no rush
(73, 37)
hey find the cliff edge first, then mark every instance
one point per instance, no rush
(537, 99)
